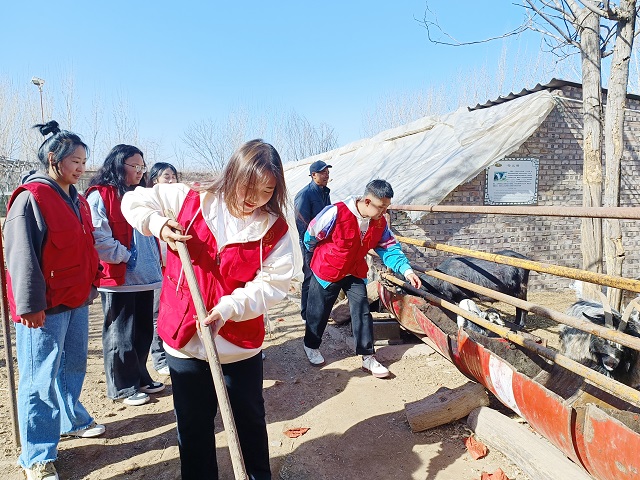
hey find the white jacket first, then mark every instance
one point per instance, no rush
(145, 209)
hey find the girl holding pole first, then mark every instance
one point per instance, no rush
(242, 255)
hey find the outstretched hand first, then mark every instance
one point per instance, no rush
(171, 233)
(414, 280)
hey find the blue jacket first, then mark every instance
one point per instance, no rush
(308, 203)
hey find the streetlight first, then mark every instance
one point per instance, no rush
(38, 82)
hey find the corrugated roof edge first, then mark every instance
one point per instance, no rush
(553, 84)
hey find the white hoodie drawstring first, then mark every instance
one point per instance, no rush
(267, 321)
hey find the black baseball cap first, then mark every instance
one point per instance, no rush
(318, 166)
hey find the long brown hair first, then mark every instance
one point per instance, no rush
(247, 166)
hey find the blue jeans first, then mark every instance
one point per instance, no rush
(195, 404)
(320, 304)
(52, 362)
(126, 336)
(158, 354)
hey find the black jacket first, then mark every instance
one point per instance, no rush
(308, 203)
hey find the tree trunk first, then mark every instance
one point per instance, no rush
(591, 228)
(614, 141)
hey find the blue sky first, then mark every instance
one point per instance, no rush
(181, 62)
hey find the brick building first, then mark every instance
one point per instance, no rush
(452, 159)
(557, 145)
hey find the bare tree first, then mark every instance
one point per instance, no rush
(179, 159)
(124, 123)
(100, 127)
(302, 139)
(211, 143)
(208, 143)
(467, 88)
(598, 29)
(152, 150)
(70, 108)
(94, 123)
(9, 115)
(394, 110)
(625, 18)
(595, 29)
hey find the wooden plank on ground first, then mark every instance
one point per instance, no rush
(445, 406)
(534, 455)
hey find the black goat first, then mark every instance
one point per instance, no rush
(602, 355)
(502, 278)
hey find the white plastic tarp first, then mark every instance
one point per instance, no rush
(427, 159)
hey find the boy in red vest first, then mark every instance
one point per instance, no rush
(340, 237)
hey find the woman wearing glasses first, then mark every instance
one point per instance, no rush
(131, 264)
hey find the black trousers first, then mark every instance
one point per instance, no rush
(304, 289)
(126, 336)
(195, 404)
(320, 303)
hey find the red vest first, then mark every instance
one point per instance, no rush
(69, 261)
(114, 273)
(218, 273)
(343, 252)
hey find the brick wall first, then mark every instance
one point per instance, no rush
(557, 145)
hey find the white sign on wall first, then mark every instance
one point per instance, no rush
(512, 181)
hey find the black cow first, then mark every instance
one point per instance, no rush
(501, 278)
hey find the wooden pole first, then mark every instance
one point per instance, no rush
(216, 368)
(618, 389)
(6, 338)
(575, 273)
(589, 327)
(630, 213)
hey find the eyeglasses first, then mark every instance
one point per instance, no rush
(139, 168)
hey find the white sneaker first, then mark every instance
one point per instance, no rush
(92, 430)
(138, 398)
(163, 370)
(314, 356)
(375, 368)
(153, 387)
(42, 471)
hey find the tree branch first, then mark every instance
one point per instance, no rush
(593, 7)
(549, 20)
(426, 23)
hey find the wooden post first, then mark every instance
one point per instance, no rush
(533, 455)
(237, 460)
(445, 406)
(6, 337)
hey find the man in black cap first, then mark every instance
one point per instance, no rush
(308, 203)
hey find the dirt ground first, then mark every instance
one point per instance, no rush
(357, 425)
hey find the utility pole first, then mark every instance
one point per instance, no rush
(38, 82)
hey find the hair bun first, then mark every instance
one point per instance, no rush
(49, 127)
